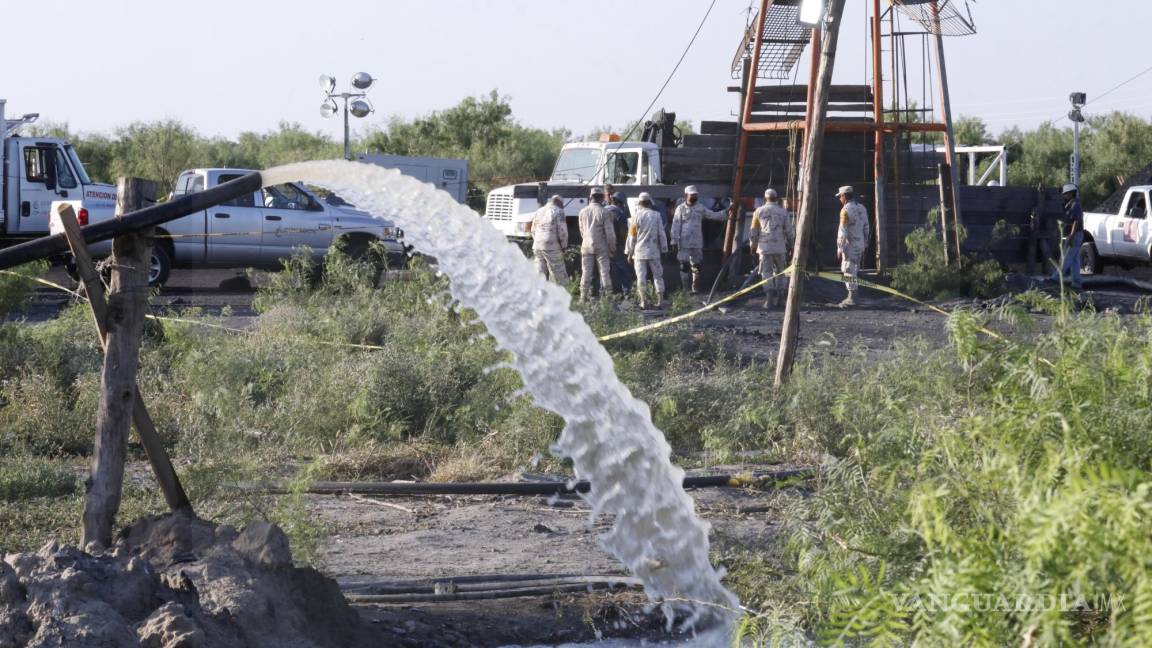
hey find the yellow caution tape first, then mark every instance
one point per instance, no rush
(686, 316)
(892, 291)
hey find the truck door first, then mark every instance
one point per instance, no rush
(234, 228)
(46, 176)
(1131, 237)
(292, 217)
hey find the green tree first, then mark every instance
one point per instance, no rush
(971, 131)
(481, 130)
(157, 150)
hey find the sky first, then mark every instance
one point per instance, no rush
(225, 67)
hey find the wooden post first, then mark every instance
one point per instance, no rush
(878, 173)
(949, 136)
(123, 326)
(166, 476)
(942, 177)
(1034, 232)
(810, 174)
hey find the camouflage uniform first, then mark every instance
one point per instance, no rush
(688, 237)
(598, 241)
(549, 238)
(772, 235)
(851, 240)
(646, 242)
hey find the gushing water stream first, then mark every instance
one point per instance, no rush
(608, 435)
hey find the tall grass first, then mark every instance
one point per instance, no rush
(987, 494)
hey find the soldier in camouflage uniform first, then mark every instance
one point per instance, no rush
(549, 238)
(688, 236)
(646, 243)
(851, 240)
(772, 236)
(597, 243)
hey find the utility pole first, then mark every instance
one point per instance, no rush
(810, 173)
(1078, 100)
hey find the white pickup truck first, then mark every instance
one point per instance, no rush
(1124, 238)
(256, 230)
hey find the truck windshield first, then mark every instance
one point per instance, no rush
(78, 165)
(576, 165)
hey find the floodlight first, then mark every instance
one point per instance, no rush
(811, 12)
(362, 81)
(328, 109)
(327, 83)
(360, 108)
(1078, 99)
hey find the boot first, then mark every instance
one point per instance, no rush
(770, 302)
(695, 283)
(685, 281)
(850, 300)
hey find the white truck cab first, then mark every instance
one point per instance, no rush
(580, 163)
(1125, 237)
(38, 171)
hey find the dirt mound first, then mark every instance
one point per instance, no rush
(174, 582)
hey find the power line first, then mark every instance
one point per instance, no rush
(1113, 89)
(660, 92)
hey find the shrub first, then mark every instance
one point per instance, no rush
(927, 277)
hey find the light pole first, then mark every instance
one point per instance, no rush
(360, 107)
(1078, 100)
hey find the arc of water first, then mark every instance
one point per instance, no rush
(608, 435)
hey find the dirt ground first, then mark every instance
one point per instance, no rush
(415, 539)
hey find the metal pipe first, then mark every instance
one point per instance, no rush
(849, 127)
(878, 171)
(516, 488)
(48, 246)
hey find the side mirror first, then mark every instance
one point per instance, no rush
(50, 168)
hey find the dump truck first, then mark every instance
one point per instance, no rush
(38, 171)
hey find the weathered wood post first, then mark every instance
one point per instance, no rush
(149, 437)
(810, 174)
(124, 324)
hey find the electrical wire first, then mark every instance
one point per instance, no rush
(663, 87)
(1111, 90)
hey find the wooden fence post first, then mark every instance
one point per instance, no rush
(123, 326)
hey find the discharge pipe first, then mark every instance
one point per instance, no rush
(522, 488)
(48, 246)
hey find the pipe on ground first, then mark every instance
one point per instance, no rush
(520, 488)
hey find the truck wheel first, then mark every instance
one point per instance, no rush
(1089, 259)
(160, 267)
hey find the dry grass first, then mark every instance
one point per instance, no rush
(380, 461)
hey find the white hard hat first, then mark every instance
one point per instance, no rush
(771, 194)
(644, 195)
(846, 189)
(690, 189)
(596, 191)
(1070, 188)
(556, 197)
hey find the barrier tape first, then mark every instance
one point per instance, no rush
(827, 276)
(687, 316)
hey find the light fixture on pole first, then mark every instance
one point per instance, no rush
(1078, 99)
(361, 107)
(811, 13)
